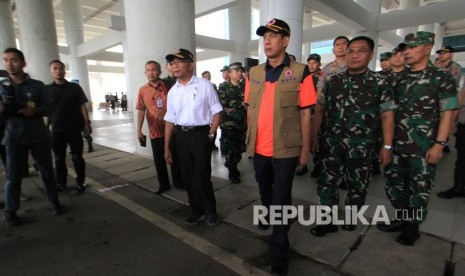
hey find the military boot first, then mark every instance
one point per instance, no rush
(410, 234)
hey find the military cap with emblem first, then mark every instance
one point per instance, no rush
(276, 26)
(182, 54)
(419, 38)
(399, 48)
(236, 65)
(225, 68)
(385, 55)
(446, 49)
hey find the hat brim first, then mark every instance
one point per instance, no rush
(263, 29)
(440, 51)
(174, 56)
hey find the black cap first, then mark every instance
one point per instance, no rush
(447, 49)
(399, 48)
(315, 57)
(181, 54)
(275, 25)
(236, 65)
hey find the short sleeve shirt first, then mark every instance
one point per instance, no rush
(153, 100)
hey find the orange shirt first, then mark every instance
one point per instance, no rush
(152, 100)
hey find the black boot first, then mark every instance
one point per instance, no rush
(395, 226)
(234, 174)
(451, 193)
(322, 230)
(410, 234)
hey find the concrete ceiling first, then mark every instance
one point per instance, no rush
(322, 19)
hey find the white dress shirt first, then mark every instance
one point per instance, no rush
(193, 104)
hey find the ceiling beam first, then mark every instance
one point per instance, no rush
(99, 44)
(203, 7)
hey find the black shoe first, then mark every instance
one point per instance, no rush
(394, 226)
(410, 234)
(61, 188)
(322, 230)
(348, 227)
(81, 188)
(194, 220)
(451, 193)
(343, 186)
(90, 150)
(279, 266)
(235, 180)
(301, 171)
(11, 219)
(213, 219)
(161, 191)
(56, 207)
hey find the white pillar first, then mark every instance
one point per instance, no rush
(239, 29)
(38, 36)
(439, 36)
(403, 5)
(155, 29)
(290, 11)
(7, 32)
(374, 9)
(307, 47)
(74, 31)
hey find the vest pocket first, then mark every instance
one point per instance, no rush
(292, 138)
(289, 98)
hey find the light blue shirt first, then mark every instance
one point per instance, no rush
(193, 104)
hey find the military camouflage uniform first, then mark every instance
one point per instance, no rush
(233, 125)
(421, 97)
(351, 133)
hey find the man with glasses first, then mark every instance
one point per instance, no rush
(194, 110)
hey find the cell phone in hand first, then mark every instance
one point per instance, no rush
(143, 141)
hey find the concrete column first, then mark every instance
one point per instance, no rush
(7, 32)
(307, 46)
(290, 11)
(239, 29)
(74, 31)
(406, 4)
(439, 31)
(374, 9)
(38, 36)
(155, 29)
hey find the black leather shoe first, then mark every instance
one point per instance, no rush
(11, 219)
(279, 266)
(194, 220)
(161, 191)
(301, 171)
(451, 193)
(61, 188)
(322, 230)
(235, 180)
(56, 207)
(410, 234)
(348, 227)
(81, 188)
(395, 226)
(213, 219)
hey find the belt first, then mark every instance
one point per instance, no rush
(192, 128)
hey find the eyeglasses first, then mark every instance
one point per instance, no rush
(178, 62)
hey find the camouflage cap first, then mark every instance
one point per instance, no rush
(225, 68)
(385, 55)
(419, 38)
(236, 65)
(399, 48)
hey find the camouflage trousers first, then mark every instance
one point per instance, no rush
(232, 143)
(408, 185)
(357, 174)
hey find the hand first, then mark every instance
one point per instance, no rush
(434, 154)
(87, 129)
(168, 157)
(303, 159)
(385, 157)
(27, 111)
(140, 135)
(314, 145)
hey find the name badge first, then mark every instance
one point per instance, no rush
(159, 103)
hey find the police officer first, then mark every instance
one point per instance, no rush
(427, 98)
(233, 121)
(446, 54)
(358, 105)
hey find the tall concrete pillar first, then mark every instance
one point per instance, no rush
(374, 9)
(7, 32)
(239, 29)
(74, 31)
(290, 11)
(403, 5)
(155, 29)
(439, 32)
(307, 46)
(38, 36)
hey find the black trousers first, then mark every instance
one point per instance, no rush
(459, 172)
(194, 153)
(275, 177)
(60, 140)
(175, 169)
(158, 150)
(17, 157)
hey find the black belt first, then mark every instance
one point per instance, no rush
(192, 128)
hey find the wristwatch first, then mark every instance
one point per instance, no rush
(387, 147)
(441, 143)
